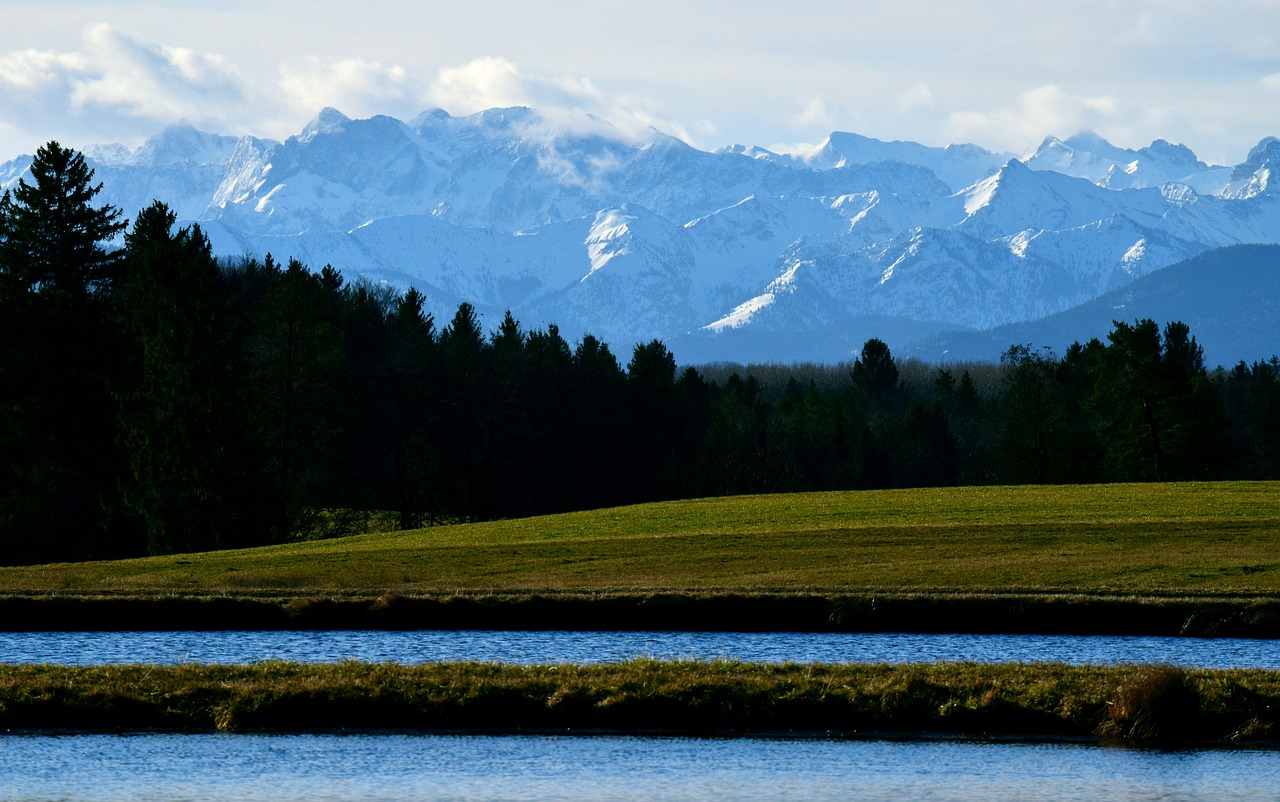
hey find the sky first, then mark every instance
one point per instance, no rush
(1003, 74)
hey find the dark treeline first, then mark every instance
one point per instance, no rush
(155, 400)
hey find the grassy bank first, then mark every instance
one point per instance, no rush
(1215, 539)
(1137, 703)
(927, 612)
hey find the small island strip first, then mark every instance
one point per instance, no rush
(1147, 704)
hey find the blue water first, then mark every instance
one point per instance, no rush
(151, 767)
(85, 648)
(333, 768)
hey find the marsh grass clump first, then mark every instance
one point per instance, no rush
(1154, 703)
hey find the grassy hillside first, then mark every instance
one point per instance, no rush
(1217, 538)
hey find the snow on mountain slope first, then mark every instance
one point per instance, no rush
(957, 166)
(179, 166)
(1085, 155)
(1253, 177)
(927, 275)
(1120, 251)
(1017, 198)
(742, 249)
(1089, 156)
(11, 171)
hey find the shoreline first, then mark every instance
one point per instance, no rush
(1261, 744)
(1147, 705)
(939, 612)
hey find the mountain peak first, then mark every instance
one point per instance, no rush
(1088, 140)
(981, 194)
(1268, 150)
(328, 119)
(1252, 177)
(956, 166)
(429, 118)
(1048, 143)
(183, 142)
(506, 118)
(1171, 154)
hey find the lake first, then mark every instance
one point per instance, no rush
(334, 768)
(87, 648)
(392, 767)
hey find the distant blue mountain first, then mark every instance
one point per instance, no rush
(1229, 297)
(734, 255)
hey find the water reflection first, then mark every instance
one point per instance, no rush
(83, 648)
(107, 768)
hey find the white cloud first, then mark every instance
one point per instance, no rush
(138, 79)
(800, 150)
(491, 82)
(706, 130)
(812, 114)
(117, 87)
(918, 98)
(565, 104)
(358, 88)
(27, 71)
(1048, 110)
(910, 70)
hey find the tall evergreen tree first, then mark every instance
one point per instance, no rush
(876, 379)
(299, 397)
(655, 410)
(413, 414)
(175, 408)
(1198, 442)
(1044, 436)
(597, 406)
(875, 371)
(464, 410)
(363, 455)
(1160, 417)
(52, 236)
(57, 451)
(546, 461)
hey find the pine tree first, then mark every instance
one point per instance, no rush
(413, 412)
(1161, 418)
(57, 353)
(465, 410)
(875, 372)
(655, 415)
(51, 235)
(301, 395)
(176, 400)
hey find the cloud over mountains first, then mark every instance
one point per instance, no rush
(713, 73)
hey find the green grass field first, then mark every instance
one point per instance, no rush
(1147, 539)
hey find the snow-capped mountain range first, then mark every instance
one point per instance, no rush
(737, 254)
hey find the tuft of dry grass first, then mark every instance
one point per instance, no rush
(1154, 703)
